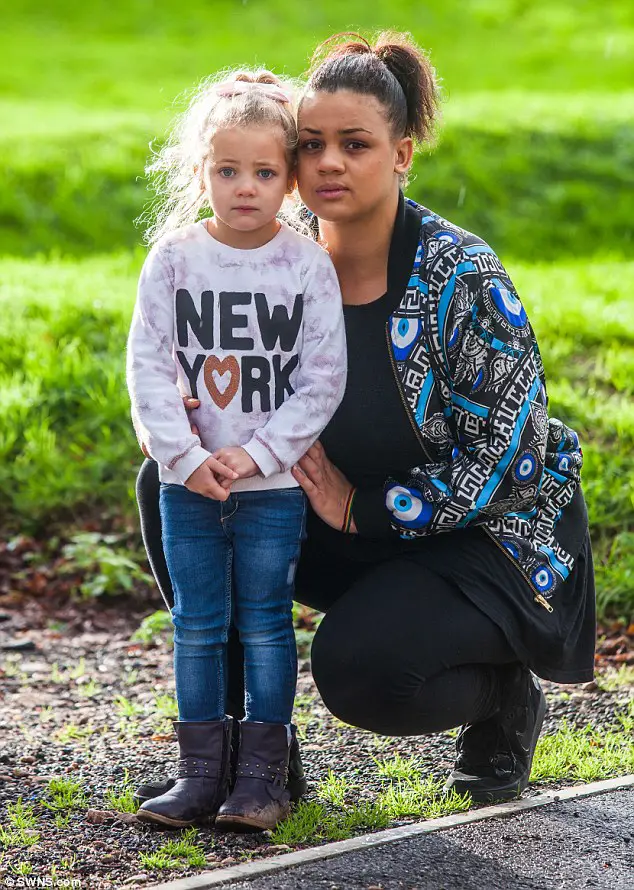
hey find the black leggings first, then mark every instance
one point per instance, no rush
(400, 650)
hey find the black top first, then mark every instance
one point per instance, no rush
(370, 429)
(371, 437)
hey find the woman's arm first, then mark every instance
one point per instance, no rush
(329, 492)
(486, 361)
(504, 444)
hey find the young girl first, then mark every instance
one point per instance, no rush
(243, 313)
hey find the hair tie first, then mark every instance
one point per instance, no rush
(229, 88)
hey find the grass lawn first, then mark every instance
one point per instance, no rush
(534, 154)
(139, 55)
(66, 439)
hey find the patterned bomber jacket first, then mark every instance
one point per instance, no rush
(471, 376)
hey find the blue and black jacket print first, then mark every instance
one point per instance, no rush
(471, 377)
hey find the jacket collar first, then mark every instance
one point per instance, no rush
(403, 247)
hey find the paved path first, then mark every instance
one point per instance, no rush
(567, 845)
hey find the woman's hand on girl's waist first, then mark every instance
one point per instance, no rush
(326, 487)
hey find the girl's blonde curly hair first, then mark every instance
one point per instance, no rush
(175, 170)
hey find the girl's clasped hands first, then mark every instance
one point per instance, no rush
(325, 486)
(215, 476)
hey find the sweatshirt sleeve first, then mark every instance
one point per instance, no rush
(488, 364)
(158, 414)
(371, 518)
(321, 379)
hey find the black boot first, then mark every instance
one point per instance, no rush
(495, 756)
(260, 798)
(296, 785)
(202, 784)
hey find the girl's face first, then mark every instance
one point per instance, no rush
(348, 160)
(246, 176)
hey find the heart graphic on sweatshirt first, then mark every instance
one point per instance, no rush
(213, 368)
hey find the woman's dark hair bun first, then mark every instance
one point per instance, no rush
(410, 95)
(413, 70)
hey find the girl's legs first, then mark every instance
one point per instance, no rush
(199, 556)
(147, 489)
(267, 529)
(147, 493)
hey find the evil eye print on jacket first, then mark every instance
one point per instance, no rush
(507, 303)
(409, 509)
(404, 333)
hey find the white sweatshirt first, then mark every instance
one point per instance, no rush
(257, 335)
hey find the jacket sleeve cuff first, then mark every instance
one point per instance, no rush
(190, 462)
(371, 516)
(263, 456)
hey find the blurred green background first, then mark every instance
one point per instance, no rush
(535, 155)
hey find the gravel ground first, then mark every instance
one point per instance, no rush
(37, 701)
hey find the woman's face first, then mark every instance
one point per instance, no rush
(348, 161)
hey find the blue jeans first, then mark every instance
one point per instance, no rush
(233, 561)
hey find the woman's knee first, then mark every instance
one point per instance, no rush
(351, 683)
(383, 702)
(374, 689)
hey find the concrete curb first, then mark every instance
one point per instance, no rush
(254, 869)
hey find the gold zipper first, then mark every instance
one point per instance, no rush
(540, 599)
(537, 597)
(408, 410)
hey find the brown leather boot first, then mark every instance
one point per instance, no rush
(203, 776)
(260, 798)
(296, 784)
